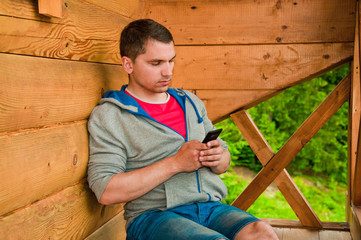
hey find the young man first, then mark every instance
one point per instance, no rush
(146, 150)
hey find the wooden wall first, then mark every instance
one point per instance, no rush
(53, 71)
(235, 54)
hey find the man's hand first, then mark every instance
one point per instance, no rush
(187, 157)
(215, 157)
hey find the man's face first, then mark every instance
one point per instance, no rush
(152, 71)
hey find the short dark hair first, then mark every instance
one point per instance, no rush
(137, 33)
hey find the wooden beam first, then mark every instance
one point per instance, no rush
(356, 196)
(355, 184)
(72, 213)
(290, 223)
(131, 9)
(48, 91)
(283, 181)
(220, 103)
(354, 114)
(355, 222)
(255, 67)
(248, 22)
(297, 141)
(39, 162)
(51, 8)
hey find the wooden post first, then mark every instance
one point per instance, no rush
(51, 8)
(355, 168)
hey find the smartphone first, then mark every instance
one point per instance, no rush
(212, 135)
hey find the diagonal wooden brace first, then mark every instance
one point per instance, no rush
(294, 145)
(283, 181)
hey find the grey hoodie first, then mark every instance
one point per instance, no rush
(123, 137)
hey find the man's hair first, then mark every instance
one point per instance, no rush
(137, 33)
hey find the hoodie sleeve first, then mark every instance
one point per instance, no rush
(106, 154)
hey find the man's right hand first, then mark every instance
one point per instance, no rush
(187, 157)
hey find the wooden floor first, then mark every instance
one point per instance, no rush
(303, 234)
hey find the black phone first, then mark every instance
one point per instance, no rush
(212, 135)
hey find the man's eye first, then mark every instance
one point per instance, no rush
(155, 63)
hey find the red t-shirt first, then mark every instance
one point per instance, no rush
(169, 113)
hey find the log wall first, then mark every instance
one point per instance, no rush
(53, 71)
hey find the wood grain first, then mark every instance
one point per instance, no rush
(114, 229)
(51, 8)
(85, 32)
(39, 162)
(38, 91)
(255, 22)
(255, 67)
(131, 9)
(221, 103)
(354, 173)
(69, 214)
(355, 222)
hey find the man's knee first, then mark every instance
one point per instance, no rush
(257, 230)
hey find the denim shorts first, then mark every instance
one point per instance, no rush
(198, 221)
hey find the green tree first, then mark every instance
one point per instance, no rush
(279, 117)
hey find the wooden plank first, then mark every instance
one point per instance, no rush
(39, 162)
(51, 8)
(290, 223)
(357, 177)
(355, 222)
(131, 9)
(279, 232)
(69, 214)
(355, 170)
(220, 103)
(284, 182)
(323, 234)
(297, 141)
(253, 22)
(86, 32)
(260, 67)
(299, 234)
(114, 229)
(354, 111)
(334, 235)
(48, 91)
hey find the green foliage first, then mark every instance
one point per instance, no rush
(326, 199)
(323, 160)
(279, 117)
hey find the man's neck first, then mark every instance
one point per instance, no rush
(156, 98)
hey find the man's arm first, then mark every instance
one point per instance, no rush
(128, 186)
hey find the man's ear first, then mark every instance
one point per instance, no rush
(127, 64)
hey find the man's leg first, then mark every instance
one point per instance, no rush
(237, 224)
(256, 230)
(157, 225)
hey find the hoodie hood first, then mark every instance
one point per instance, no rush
(126, 102)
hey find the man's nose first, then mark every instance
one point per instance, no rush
(167, 69)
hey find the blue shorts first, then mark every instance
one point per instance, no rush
(198, 221)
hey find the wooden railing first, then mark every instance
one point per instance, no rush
(274, 164)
